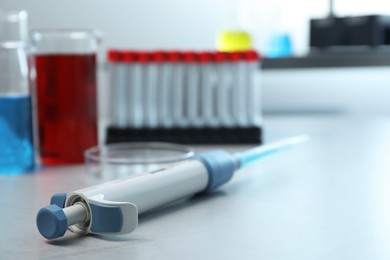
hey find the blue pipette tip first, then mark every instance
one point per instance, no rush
(298, 139)
(266, 150)
(52, 222)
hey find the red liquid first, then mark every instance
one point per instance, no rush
(66, 104)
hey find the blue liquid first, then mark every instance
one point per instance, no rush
(16, 146)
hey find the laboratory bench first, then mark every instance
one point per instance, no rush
(328, 198)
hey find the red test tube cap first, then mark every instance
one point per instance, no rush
(205, 57)
(114, 55)
(158, 56)
(143, 57)
(252, 55)
(190, 57)
(129, 56)
(174, 56)
(220, 56)
(234, 56)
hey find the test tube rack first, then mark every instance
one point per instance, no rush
(184, 96)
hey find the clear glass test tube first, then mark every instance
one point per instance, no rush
(151, 88)
(177, 78)
(112, 59)
(192, 90)
(143, 60)
(224, 90)
(129, 60)
(207, 87)
(239, 106)
(119, 89)
(253, 88)
(166, 71)
(136, 85)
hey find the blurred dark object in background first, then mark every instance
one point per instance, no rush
(368, 30)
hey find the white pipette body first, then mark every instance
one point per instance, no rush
(113, 207)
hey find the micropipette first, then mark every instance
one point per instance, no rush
(113, 207)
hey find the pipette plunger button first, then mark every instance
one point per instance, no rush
(52, 222)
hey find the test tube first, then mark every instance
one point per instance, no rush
(239, 91)
(112, 58)
(118, 84)
(165, 96)
(207, 87)
(192, 83)
(224, 89)
(121, 93)
(153, 86)
(215, 121)
(137, 81)
(253, 88)
(177, 88)
(149, 89)
(129, 59)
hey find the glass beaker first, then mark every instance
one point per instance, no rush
(16, 145)
(65, 69)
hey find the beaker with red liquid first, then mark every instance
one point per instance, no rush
(65, 86)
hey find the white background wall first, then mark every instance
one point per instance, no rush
(174, 23)
(193, 24)
(187, 23)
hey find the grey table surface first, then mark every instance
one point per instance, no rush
(326, 199)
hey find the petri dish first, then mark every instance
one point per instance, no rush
(113, 161)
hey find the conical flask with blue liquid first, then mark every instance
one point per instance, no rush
(16, 138)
